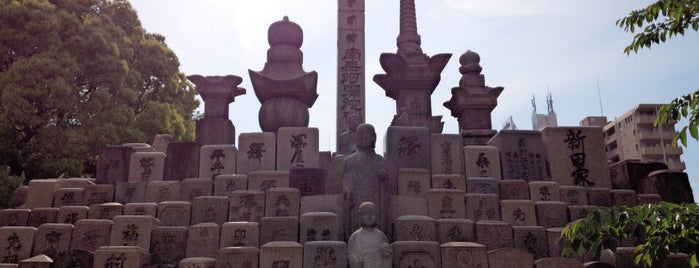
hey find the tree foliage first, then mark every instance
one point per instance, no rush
(662, 229)
(76, 75)
(660, 21)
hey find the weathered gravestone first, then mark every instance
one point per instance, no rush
(446, 153)
(130, 192)
(14, 217)
(325, 254)
(577, 156)
(121, 256)
(279, 229)
(297, 147)
(130, 230)
(167, 245)
(160, 191)
(238, 257)
(464, 254)
(257, 152)
(510, 258)
(195, 187)
(408, 147)
(416, 254)
(90, 234)
(281, 254)
(105, 211)
(446, 203)
(39, 216)
(203, 240)
(216, 160)
(523, 156)
(174, 213)
(246, 206)
(494, 234)
(531, 239)
(182, 160)
(52, 239)
(113, 164)
(514, 189)
(282, 202)
(455, 230)
(17, 243)
(240, 234)
(263, 180)
(212, 209)
(68, 197)
(319, 226)
(224, 185)
(482, 161)
(147, 166)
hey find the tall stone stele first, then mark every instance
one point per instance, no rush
(217, 92)
(285, 90)
(472, 102)
(411, 76)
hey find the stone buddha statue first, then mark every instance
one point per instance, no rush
(368, 247)
(364, 178)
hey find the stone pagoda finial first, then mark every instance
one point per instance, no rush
(408, 40)
(411, 76)
(217, 92)
(472, 102)
(285, 90)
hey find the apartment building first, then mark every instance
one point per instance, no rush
(633, 136)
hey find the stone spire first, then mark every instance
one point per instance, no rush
(285, 90)
(411, 76)
(472, 101)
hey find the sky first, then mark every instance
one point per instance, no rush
(572, 49)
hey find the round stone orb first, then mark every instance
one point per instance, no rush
(469, 57)
(285, 32)
(283, 112)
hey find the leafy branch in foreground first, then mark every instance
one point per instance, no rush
(661, 229)
(685, 106)
(662, 19)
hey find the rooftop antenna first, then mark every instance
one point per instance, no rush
(534, 103)
(599, 96)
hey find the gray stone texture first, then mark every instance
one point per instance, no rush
(577, 156)
(482, 161)
(523, 156)
(91, 234)
(408, 147)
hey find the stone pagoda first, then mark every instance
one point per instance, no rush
(472, 102)
(285, 90)
(217, 92)
(411, 76)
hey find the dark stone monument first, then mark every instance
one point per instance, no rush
(113, 164)
(218, 92)
(472, 102)
(285, 90)
(182, 161)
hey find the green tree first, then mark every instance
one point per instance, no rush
(661, 229)
(76, 75)
(660, 21)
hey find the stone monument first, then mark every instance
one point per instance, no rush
(411, 76)
(351, 105)
(472, 102)
(217, 92)
(285, 90)
(368, 247)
